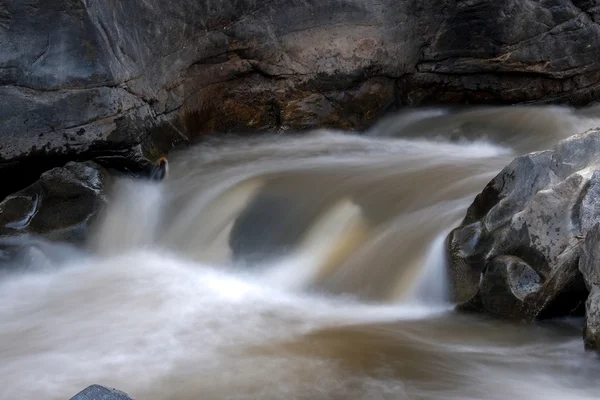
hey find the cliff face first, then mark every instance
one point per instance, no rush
(121, 81)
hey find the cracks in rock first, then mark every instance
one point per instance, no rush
(579, 22)
(44, 52)
(485, 66)
(481, 72)
(104, 118)
(260, 71)
(242, 17)
(103, 31)
(586, 12)
(337, 107)
(537, 37)
(123, 86)
(5, 16)
(439, 83)
(353, 25)
(93, 86)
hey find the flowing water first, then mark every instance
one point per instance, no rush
(291, 267)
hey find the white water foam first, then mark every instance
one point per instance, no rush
(128, 320)
(163, 325)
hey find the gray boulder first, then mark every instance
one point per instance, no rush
(589, 265)
(121, 81)
(519, 251)
(59, 206)
(97, 392)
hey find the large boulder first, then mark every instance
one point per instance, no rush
(59, 206)
(589, 265)
(519, 251)
(97, 392)
(121, 81)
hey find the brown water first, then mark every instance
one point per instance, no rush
(292, 267)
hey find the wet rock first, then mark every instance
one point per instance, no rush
(519, 251)
(97, 392)
(59, 206)
(591, 333)
(122, 81)
(505, 286)
(589, 265)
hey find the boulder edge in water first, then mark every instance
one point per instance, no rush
(589, 265)
(59, 206)
(97, 392)
(529, 245)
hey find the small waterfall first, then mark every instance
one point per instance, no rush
(290, 267)
(327, 244)
(132, 219)
(341, 222)
(431, 286)
(202, 231)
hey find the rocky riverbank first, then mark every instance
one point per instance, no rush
(121, 82)
(528, 246)
(87, 87)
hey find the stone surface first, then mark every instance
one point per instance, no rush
(589, 265)
(506, 284)
(97, 392)
(120, 81)
(591, 333)
(519, 251)
(59, 206)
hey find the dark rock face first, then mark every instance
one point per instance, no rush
(482, 49)
(520, 249)
(97, 392)
(120, 81)
(59, 206)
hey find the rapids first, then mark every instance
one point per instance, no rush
(292, 267)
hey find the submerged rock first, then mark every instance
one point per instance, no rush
(97, 392)
(27, 253)
(59, 206)
(529, 246)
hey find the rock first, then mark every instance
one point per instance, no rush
(123, 81)
(519, 251)
(506, 284)
(97, 392)
(508, 51)
(591, 333)
(589, 265)
(59, 206)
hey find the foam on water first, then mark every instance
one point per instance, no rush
(163, 327)
(349, 299)
(129, 320)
